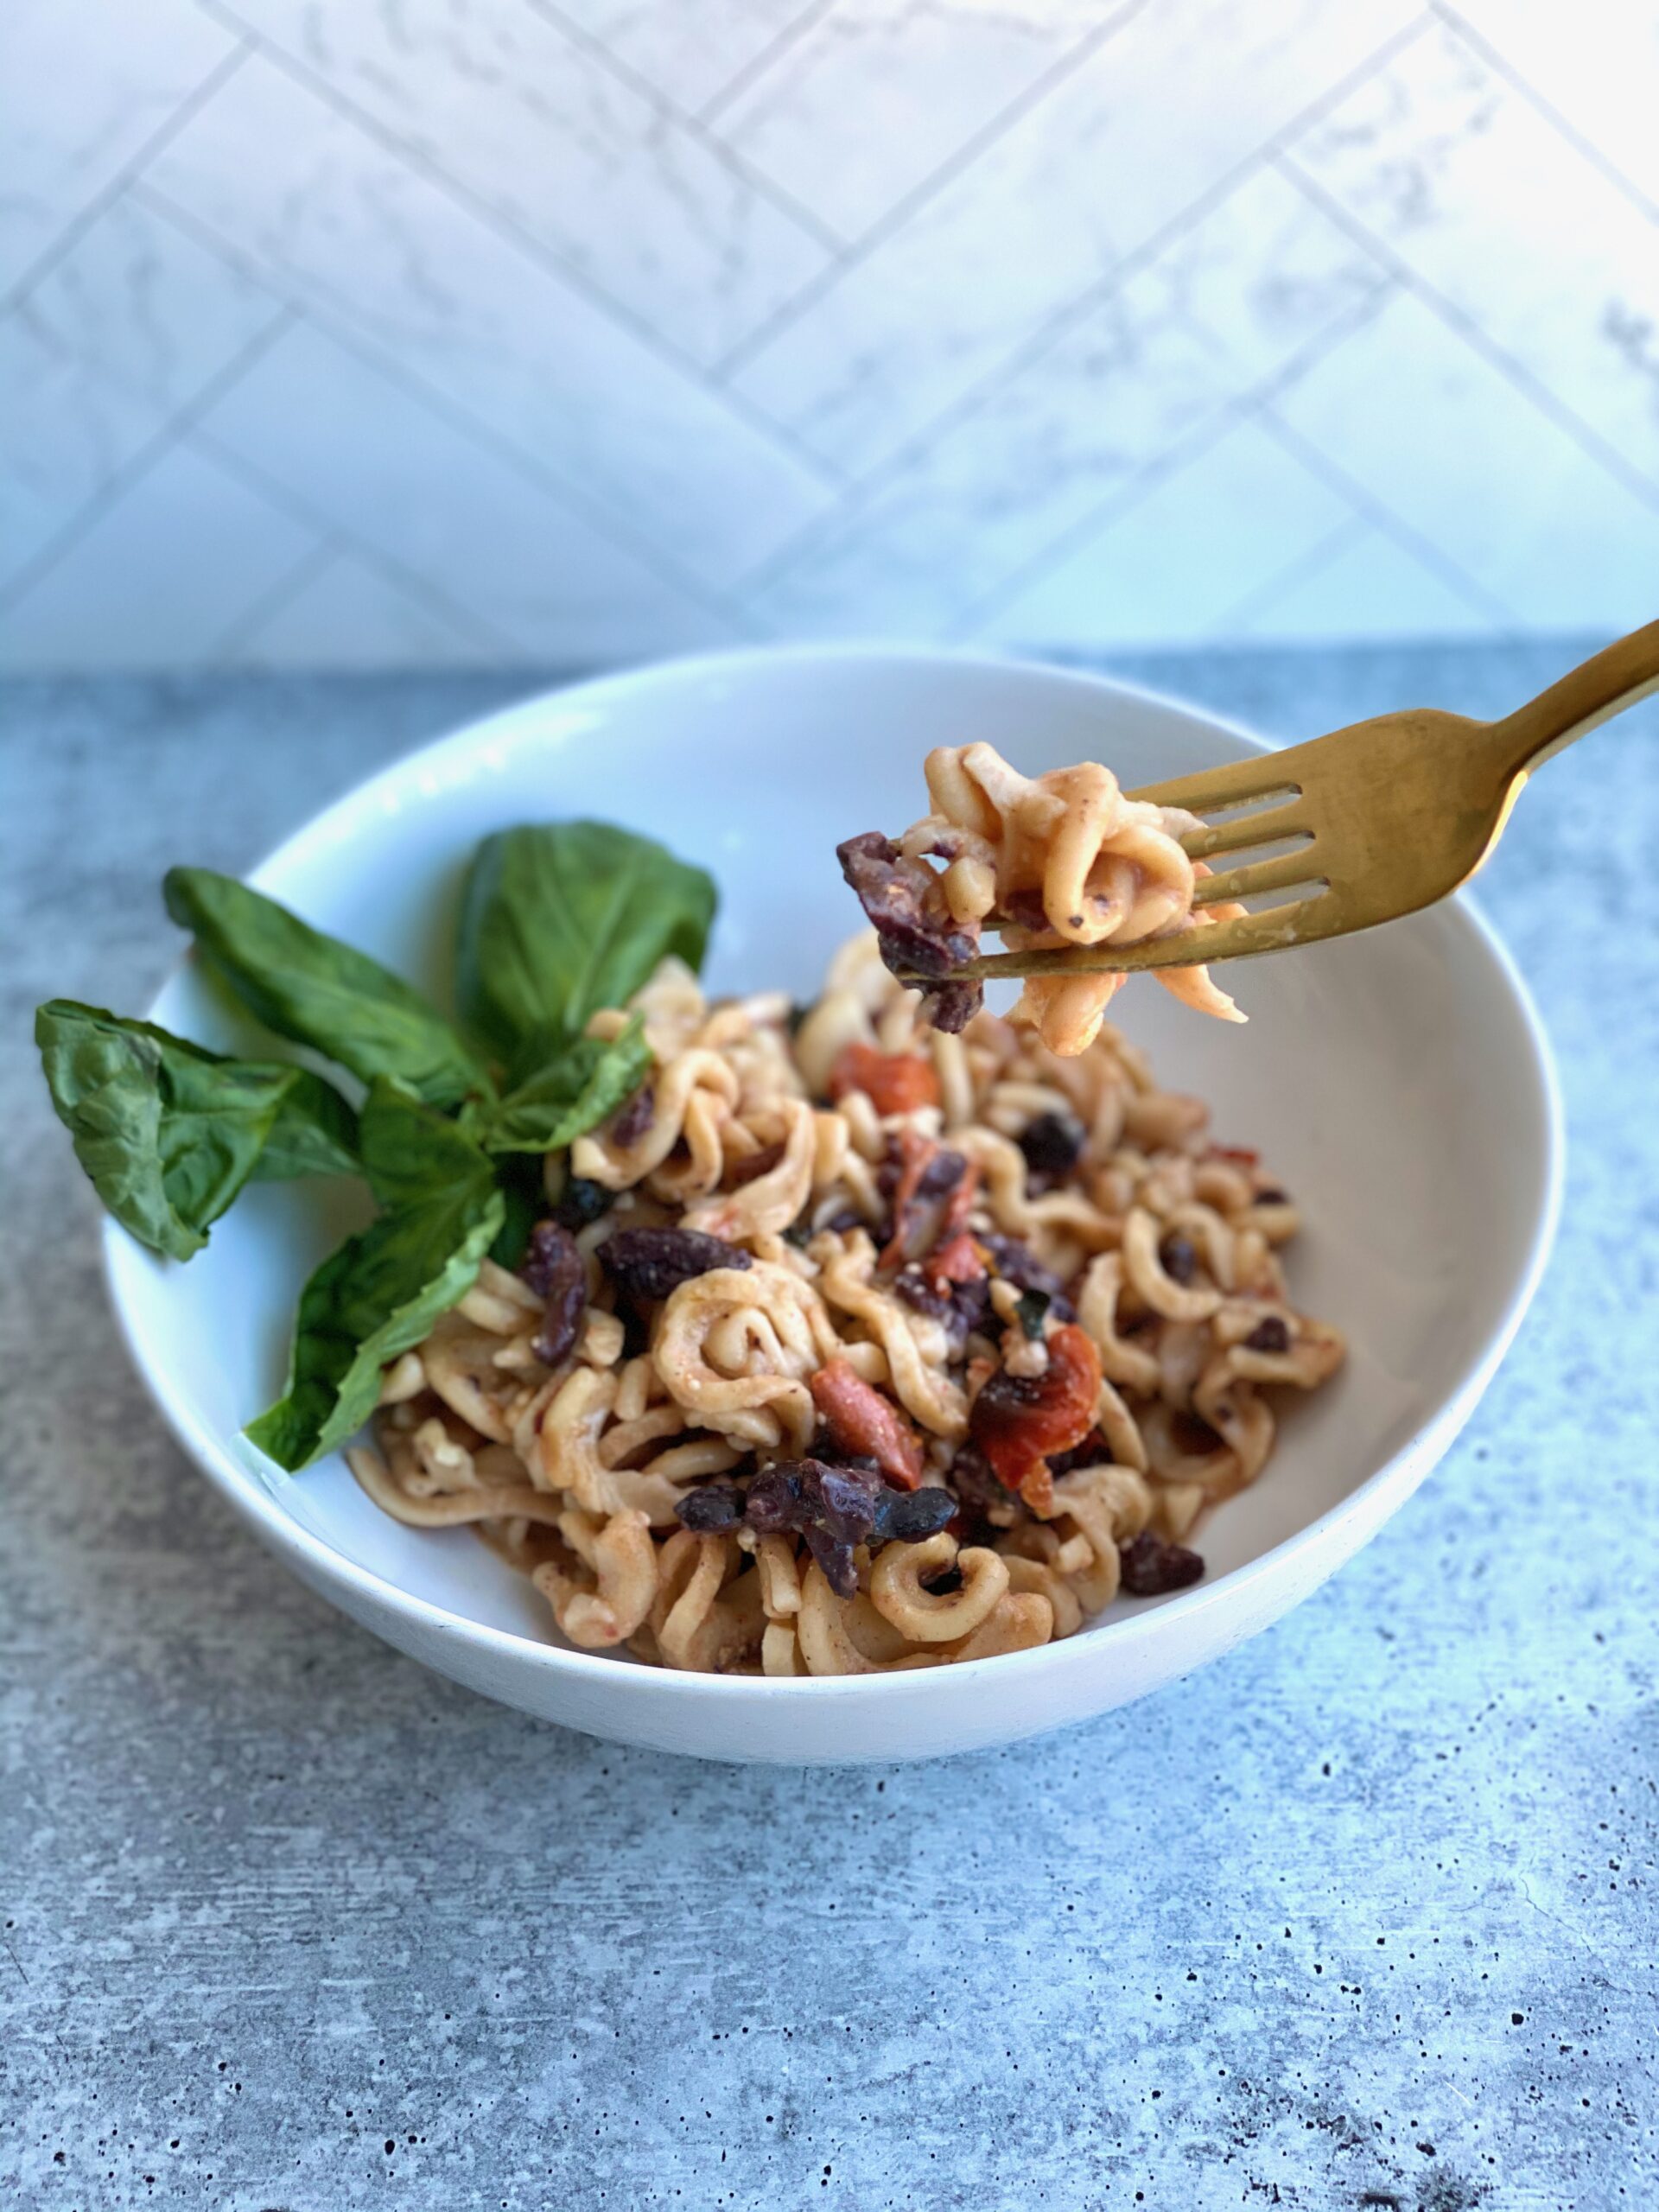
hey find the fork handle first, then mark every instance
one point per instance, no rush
(1598, 689)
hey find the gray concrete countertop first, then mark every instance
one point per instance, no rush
(1363, 1916)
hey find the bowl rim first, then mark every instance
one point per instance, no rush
(259, 1507)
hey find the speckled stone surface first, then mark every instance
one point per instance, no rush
(1363, 1916)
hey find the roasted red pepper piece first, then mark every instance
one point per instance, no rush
(865, 1425)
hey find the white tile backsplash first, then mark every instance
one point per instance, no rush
(1187, 339)
(159, 578)
(380, 464)
(1444, 162)
(1049, 212)
(84, 87)
(460, 307)
(435, 331)
(561, 150)
(1562, 541)
(695, 55)
(119, 338)
(1173, 564)
(872, 100)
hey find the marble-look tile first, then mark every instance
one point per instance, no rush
(1224, 308)
(1050, 209)
(868, 102)
(114, 341)
(692, 54)
(348, 615)
(1175, 563)
(335, 220)
(83, 94)
(360, 451)
(1596, 62)
(1495, 207)
(1365, 587)
(1445, 443)
(564, 151)
(161, 576)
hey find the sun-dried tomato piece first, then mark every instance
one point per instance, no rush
(895, 1083)
(959, 1260)
(926, 1174)
(1018, 1419)
(1245, 1155)
(865, 1423)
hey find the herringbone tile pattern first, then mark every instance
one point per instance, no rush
(438, 331)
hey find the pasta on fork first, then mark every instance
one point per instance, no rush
(1062, 858)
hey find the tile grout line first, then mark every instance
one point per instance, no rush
(132, 472)
(1057, 326)
(692, 124)
(364, 349)
(100, 205)
(343, 540)
(1173, 462)
(859, 250)
(1465, 326)
(1500, 65)
(315, 561)
(758, 64)
(1382, 517)
(519, 241)
(1310, 562)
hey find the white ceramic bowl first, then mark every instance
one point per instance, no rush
(1399, 1082)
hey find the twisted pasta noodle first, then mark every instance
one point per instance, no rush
(924, 1390)
(692, 1097)
(737, 1344)
(1151, 1282)
(772, 1201)
(450, 1510)
(1106, 1505)
(706, 1614)
(824, 1630)
(605, 1604)
(1131, 1365)
(899, 1588)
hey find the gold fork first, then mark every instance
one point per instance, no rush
(1390, 814)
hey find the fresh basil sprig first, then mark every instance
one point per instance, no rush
(558, 920)
(319, 992)
(381, 1292)
(169, 1133)
(586, 1083)
(561, 919)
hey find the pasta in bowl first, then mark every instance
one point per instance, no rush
(1399, 1087)
(851, 1345)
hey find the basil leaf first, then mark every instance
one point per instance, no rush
(315, 1132)
(320, 992)
(574, 1093)
(523, 1198)
(411, 1154)
(560, 919)
(381, 1292)
(169, 1133)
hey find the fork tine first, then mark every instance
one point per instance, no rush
(1231, 940)
(1278, 875)
(1241, 830)
(1240, 781)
